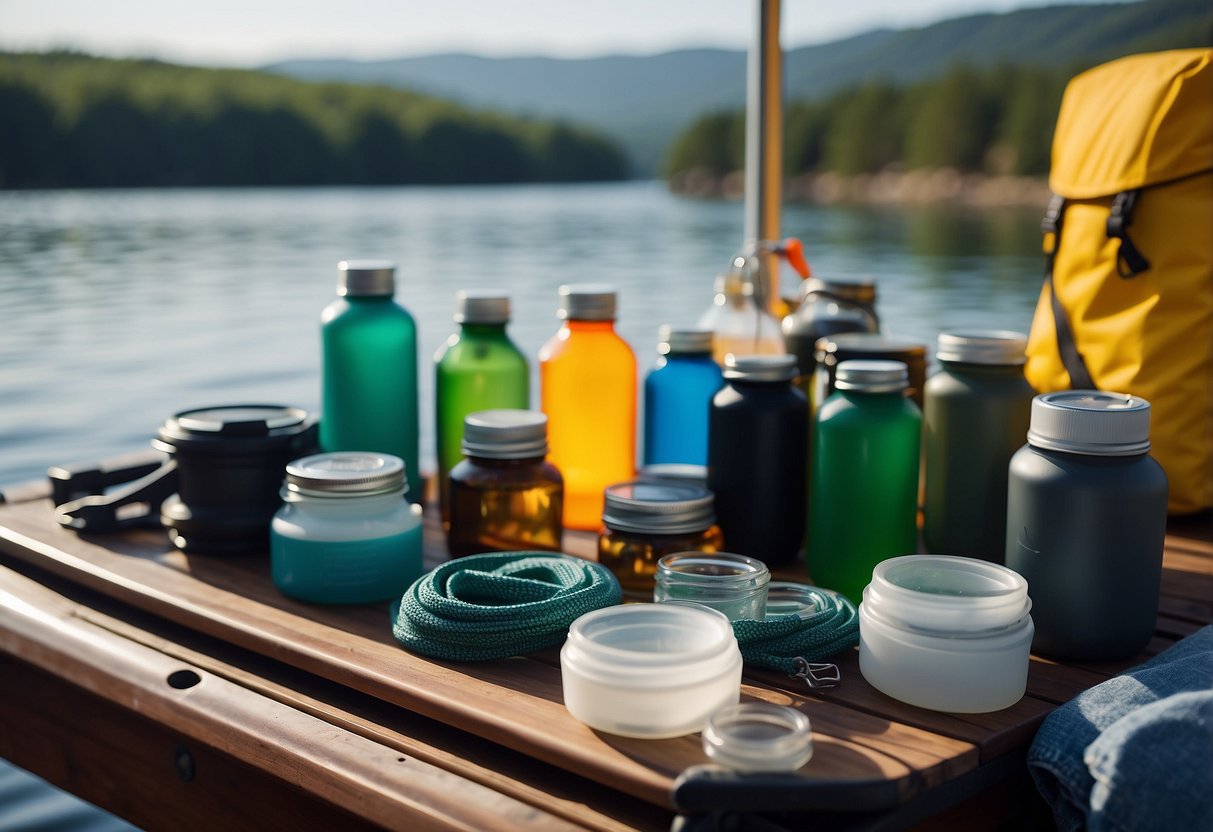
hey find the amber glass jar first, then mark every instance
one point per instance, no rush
(642, 521)
(504, 496)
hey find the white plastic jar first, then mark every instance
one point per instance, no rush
(946, 633)
(650, 670)
(345, 534)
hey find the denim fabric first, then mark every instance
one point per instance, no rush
(1135, 752)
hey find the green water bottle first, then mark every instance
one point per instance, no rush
(863, 503)
(369, 372)
(478, 368)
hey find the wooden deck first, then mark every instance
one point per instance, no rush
(181, 691)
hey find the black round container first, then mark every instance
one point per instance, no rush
(230, 465)
(834, 349)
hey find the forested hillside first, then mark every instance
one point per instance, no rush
(70, 120)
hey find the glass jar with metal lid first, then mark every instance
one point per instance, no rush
(504, 495)
(645, 520)
(345, 534)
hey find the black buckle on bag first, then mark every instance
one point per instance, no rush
(1129, 260)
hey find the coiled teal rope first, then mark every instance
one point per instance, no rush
(830, 627)
(500, 604)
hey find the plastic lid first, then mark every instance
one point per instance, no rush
(991, 347)
(871, 376)
(346, 474)
(1090, 422)
(481, 306)
(505, 434)
(366, 278)
(658, 507)
(760, 367)
(856, 291)
(242, 426)
(684, 341)
(586, 302)
(758, 736)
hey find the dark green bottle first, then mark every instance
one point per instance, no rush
(863, 503)
(369, 370)
(977, 411)
(478, 368)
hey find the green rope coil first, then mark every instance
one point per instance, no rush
(813, 636)
(501, 604)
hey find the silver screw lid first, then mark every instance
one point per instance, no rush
(1000, 347)
(684, 341)
(586, 302)
(366, 278)
(658, 507)
(505, 434)
(481, 306)
(760, 367)
(1090, 422)
(346, 474)
(856, 291)
(871, 376)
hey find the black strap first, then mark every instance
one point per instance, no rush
(1130, 262)
(1067, 349)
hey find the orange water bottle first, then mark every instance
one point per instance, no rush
(587, 388)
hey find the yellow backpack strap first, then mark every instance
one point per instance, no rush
(1067, 349)
(1129, 260)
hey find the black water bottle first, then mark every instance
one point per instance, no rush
(757, 454)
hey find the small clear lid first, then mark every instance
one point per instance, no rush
(505, 434)
(345, 474)
(758, 736)
(481, 306)
(366, 278)
(658, 507)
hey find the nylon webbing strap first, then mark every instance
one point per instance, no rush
(778, 643)
(1067, 349)
(496, 605)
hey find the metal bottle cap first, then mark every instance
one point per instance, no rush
(481, 306)
(366, 278)
(856, 291)
(505, 434)
(346, 473)
(1000, 347)
(586, 302)
(760, 367)
(658, 507)
(1090, 422)
(684, 341)
(872, 376)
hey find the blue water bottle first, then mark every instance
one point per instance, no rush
(677, 395)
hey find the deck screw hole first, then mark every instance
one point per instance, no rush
(182, 679)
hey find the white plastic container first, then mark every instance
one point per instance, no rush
(650, 670)
(946, 633)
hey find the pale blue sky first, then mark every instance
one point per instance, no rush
(250, 32)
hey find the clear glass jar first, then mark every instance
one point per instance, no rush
(345, 534)
(735, 585)
(504, 496)
(645, 520)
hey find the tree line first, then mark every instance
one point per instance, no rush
(71, 120)
(998, 120)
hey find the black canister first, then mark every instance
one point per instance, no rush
(230, 463)
(1086, 517)
(827, 307)
(834, 349)
(976, 417)
(758, 431)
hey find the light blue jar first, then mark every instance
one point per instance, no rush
(345, 534)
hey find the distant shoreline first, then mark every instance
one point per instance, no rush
(888, 187)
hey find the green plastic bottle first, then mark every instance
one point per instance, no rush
(863, 504)
(478, 368)
(369, 372)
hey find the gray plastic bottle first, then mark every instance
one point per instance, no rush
(976, 413)
(1086, 516)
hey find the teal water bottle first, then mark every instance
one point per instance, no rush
(863, 504)
(478, 368)
(678, 393)
(369, 371)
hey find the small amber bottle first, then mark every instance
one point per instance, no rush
(504, 496)
(647, 519)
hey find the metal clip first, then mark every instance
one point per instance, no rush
(816, 674)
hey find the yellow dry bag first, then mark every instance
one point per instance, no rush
(1127, 304)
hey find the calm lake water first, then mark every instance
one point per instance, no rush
(122, 307)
